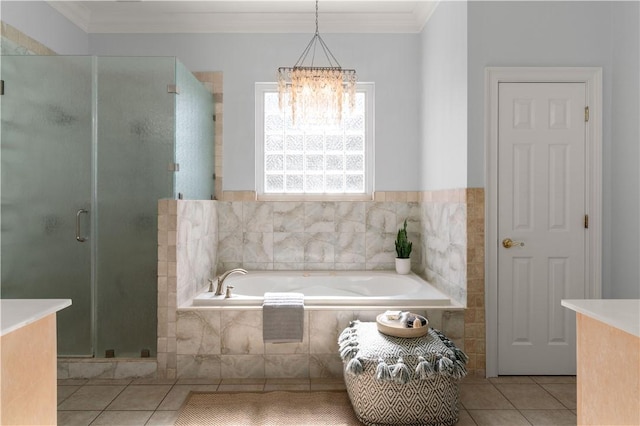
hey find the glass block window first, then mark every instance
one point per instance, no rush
(313, 159)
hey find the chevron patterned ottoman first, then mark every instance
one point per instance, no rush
(401, 381)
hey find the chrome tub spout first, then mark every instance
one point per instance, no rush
(224, 276)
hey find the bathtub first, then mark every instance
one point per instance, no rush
(330, 289)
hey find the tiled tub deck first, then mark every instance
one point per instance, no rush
(227, 343)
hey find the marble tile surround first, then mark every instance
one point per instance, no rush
(332, 235)
(453, 243)
(444, 241)
(474, 334)
(105, 368)
(196, 247)
(187, 249)
(220, 343)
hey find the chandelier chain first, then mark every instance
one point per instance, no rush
(317, 31)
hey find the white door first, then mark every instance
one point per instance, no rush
(541, 209)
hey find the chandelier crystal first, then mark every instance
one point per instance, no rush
(315, 94)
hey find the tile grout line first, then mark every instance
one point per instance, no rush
(519, 409)
(512, 404)
(105, 408)
(67, 397)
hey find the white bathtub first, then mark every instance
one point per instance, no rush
(330, 288)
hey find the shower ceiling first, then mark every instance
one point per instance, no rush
(240, 16)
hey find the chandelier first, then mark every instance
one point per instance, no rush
(316, 94)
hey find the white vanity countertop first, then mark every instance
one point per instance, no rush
(16, 313)
(619, 313)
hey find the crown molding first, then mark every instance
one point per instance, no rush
(424, 12)
(74, 11)
(245, 16)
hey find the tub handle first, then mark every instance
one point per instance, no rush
(228, 292)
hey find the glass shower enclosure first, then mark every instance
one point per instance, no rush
(88, 146)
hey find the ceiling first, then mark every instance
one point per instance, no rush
(245, 16)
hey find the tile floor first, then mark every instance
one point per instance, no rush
(508, 400)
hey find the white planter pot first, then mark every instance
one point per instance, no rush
(403, 266)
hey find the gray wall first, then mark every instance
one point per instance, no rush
(443, 115)
(43, 23)
(601, 34)
(389, 60)
(536, 34)
(623, 243)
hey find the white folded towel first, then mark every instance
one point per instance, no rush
(282, 317)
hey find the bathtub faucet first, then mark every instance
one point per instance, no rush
(223, 277)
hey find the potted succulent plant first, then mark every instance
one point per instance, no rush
(403, 251)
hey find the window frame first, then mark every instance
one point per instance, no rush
(369, 134)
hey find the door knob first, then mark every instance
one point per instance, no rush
(508, 243)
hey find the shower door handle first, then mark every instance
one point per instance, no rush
(79, 238)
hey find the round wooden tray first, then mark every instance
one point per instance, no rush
(397, 329)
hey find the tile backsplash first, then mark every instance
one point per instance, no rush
(322, 235)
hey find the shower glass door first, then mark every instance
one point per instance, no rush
(135, 153)
(46, 137)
